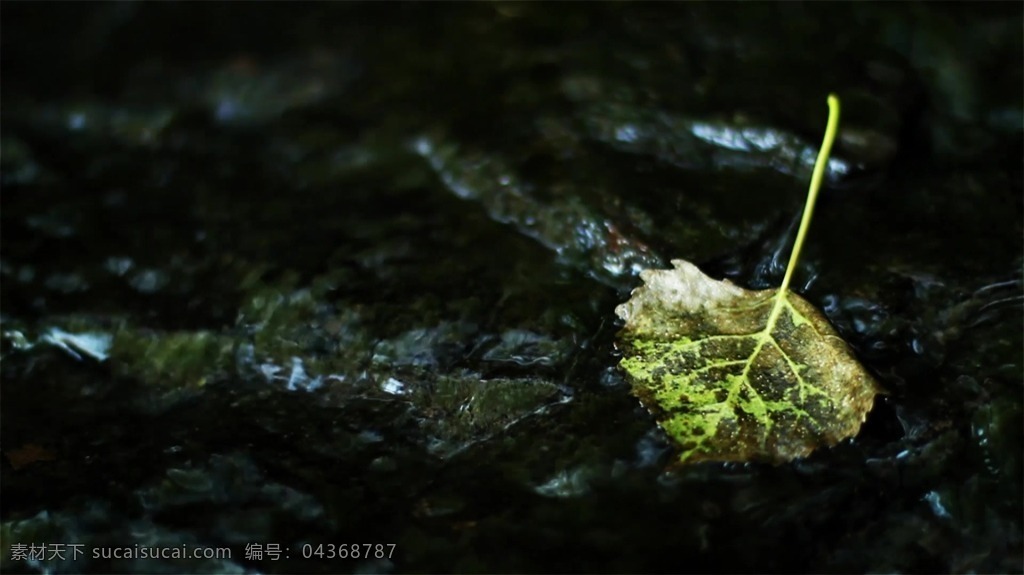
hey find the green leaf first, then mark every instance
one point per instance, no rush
(737, 375)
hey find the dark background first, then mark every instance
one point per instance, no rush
(321, 274)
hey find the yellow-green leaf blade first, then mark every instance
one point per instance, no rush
(729, 385)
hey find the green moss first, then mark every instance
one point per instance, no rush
(173, 360)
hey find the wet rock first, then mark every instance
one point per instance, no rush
(336, 276)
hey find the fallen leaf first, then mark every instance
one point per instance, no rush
(28, 454)
(729, 384)
(738, 375)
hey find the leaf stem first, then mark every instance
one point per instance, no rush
(812, 197)
(812, 194)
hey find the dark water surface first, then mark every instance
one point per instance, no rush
(292, 277)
